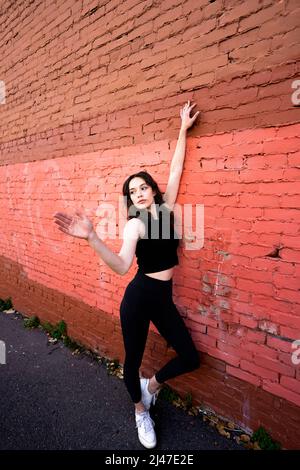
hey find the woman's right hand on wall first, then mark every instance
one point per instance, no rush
(186, 120)
(78, 225)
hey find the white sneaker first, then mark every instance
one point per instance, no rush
(147, 397)
(145, 426)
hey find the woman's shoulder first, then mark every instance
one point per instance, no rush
(135, 226)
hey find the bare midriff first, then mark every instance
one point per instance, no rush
(165, 275)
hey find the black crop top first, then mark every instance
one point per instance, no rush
(157, 249)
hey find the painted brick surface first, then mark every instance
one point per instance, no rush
(92, 95)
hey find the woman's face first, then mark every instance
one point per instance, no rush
(141, 193)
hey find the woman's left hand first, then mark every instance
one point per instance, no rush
(186, 120)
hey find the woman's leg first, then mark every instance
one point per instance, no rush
(135, 326)
(171, 326)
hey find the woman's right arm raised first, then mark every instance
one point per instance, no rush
(81, 227)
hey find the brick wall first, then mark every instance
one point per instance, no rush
(93, 92)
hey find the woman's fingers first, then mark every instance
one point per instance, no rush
(62, 216)
(192, 106)
(62, 224)
(187, 105)
(63, 230)
(63, 221)
(195, 116)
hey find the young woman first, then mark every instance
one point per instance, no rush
(150, 235)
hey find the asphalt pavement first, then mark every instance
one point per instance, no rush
(52, 399)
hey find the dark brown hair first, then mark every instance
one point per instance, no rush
(158, 198)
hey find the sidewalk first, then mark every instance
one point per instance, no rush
(54, 400)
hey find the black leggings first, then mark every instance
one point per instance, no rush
(146, 299)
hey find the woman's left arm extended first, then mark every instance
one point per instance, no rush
(176, 167)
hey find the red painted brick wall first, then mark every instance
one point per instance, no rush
(93, 92)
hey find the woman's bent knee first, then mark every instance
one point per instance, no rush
(194, 361)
